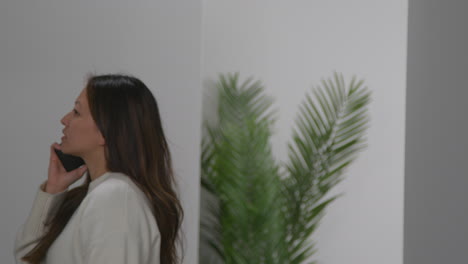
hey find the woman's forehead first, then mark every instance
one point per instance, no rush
(81, 100)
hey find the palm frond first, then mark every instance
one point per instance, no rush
(328, 135)
(238, 167)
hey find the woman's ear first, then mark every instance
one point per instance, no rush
(101, 140)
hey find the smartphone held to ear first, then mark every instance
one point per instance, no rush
(69, 162)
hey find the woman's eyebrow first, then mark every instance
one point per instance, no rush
(77, 102)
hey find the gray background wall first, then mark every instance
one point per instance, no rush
(46, 49)
(436, 182)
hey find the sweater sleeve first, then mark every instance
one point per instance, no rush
(30, 232)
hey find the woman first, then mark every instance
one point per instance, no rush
(126, 211)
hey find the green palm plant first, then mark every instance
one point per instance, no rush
(261, 212)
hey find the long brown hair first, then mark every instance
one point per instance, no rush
(127, 115)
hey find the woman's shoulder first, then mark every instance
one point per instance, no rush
(116, 193)
(109, 182)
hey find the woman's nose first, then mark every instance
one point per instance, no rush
(64, 120)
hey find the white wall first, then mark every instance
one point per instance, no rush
(46, 49)
(290, 45)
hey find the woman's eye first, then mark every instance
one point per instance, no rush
(75, 111)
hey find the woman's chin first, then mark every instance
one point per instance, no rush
(63, 147)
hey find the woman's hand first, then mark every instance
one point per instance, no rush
(59, 179)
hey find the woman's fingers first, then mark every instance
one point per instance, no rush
(78, 173)
(54, 159)
(53, 156)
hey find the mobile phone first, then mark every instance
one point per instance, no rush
(69, 162)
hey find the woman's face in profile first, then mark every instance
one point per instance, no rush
(81, 135)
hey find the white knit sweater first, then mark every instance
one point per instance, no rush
(113, 224)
